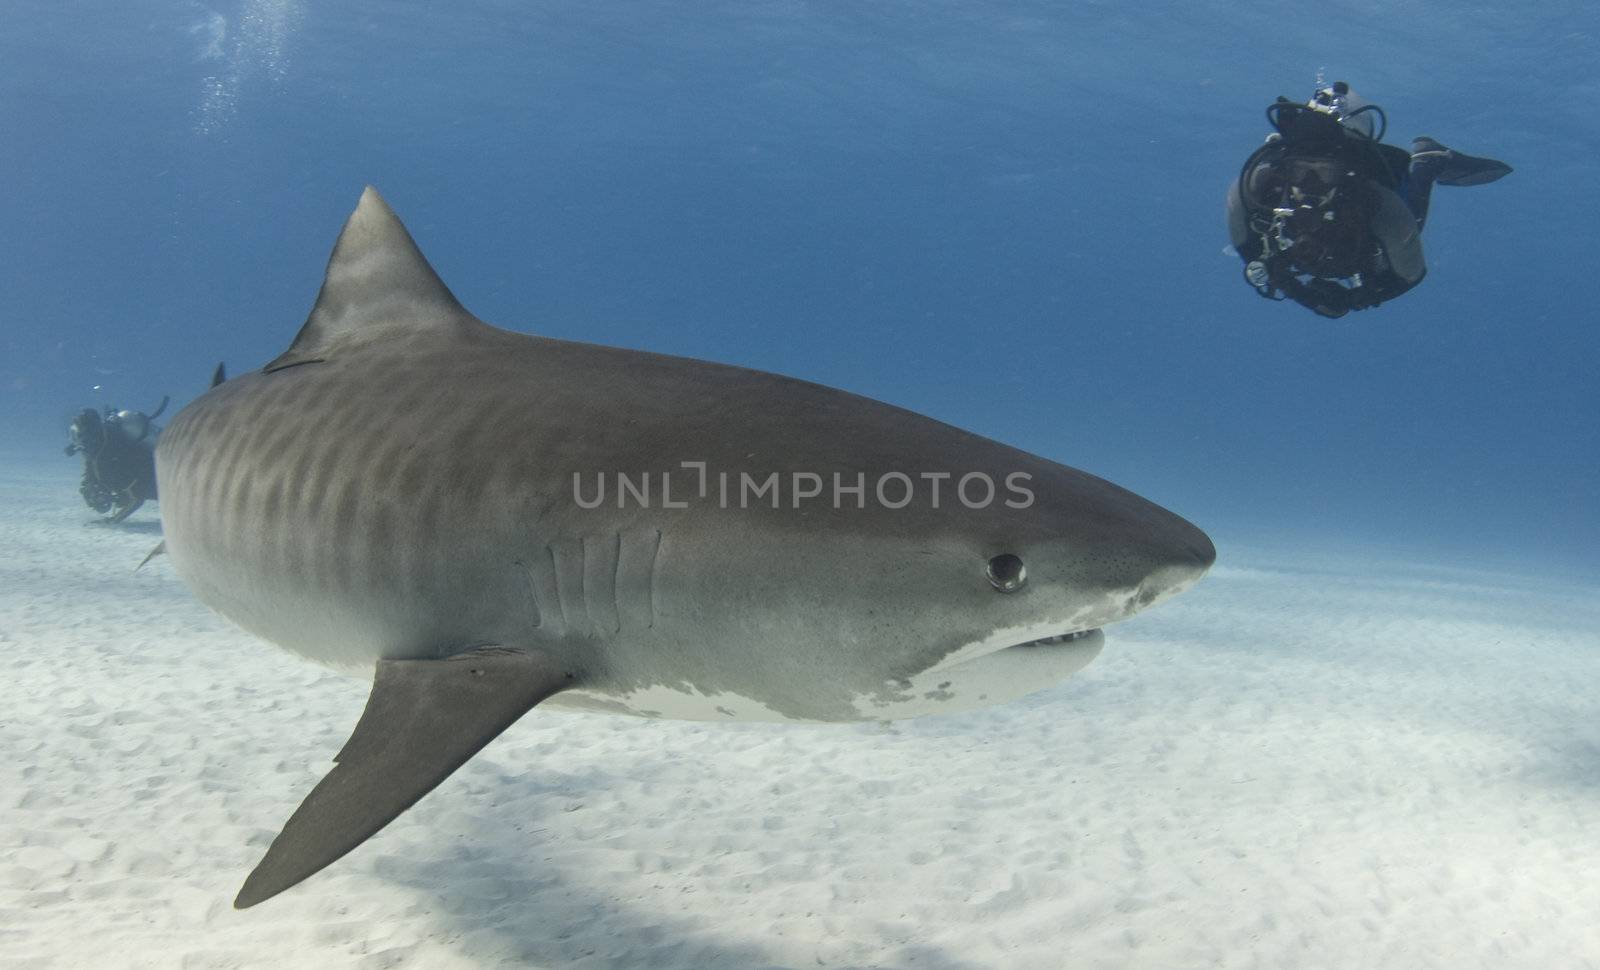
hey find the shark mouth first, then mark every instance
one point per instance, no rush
(1034, 640)
(1058, 638)
(1007, 664)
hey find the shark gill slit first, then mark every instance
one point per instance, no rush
(555, 578)
(530, 577)
(616, 581)
(585, 588)
(650, 585)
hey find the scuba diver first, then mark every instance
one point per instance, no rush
(119, 458)
(1328, 216)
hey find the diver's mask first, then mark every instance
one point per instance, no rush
(86, 432)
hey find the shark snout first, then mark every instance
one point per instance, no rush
(1191, 549)
(1172, 558)
(1108, 567)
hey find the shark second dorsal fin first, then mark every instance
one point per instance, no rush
(376, 278)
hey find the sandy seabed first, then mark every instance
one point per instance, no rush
(1308, 761)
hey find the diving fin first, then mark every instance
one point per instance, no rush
(423, 720)
(1458, 168)
(125, 512)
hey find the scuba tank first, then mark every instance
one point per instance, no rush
(1351, 110)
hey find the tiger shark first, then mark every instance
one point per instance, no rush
(483, 521)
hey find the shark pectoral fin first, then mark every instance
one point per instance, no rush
(423, 720)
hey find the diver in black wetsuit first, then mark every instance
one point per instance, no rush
(119, 465)
(1328, 216)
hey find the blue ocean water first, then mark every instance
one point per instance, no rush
(1006, 215)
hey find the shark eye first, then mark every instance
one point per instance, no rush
(1007, 573)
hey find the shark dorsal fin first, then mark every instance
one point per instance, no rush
(376, 278)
